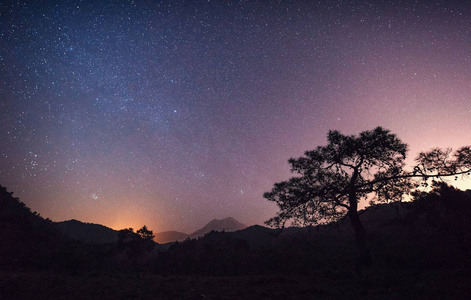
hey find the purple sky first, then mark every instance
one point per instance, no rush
(172, 113)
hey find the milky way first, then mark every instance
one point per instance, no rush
(172, 113)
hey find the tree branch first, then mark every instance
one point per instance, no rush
(413, 175)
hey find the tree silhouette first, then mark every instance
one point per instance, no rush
(135, 245)
(146, 238)
(334, 178)
(146, 234)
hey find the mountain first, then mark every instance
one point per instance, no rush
(170, 236)
(228, 224)
(99, 234)
(88, 232)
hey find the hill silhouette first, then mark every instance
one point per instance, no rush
(88, 232)
(26, 238)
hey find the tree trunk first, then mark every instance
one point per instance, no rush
(360, 232)
(361, 238)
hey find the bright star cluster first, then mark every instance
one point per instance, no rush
(172, 113)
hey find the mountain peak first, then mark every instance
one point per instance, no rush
(227, 224)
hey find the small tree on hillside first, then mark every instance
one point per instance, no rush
(146, 238)
(334, 178)
(136, 244)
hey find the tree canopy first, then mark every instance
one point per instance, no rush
(138, 242)
(330, 174)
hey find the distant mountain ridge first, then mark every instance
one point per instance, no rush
(100, 234)
(170, 236)
(228, 224)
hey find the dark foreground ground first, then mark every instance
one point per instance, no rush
(452, 284)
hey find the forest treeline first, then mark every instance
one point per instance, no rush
(432, 232)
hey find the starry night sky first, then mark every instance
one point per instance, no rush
(172, 113)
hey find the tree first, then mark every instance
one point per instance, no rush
(136, 243)
(146, 238)
(146, 234)
(334, 178)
